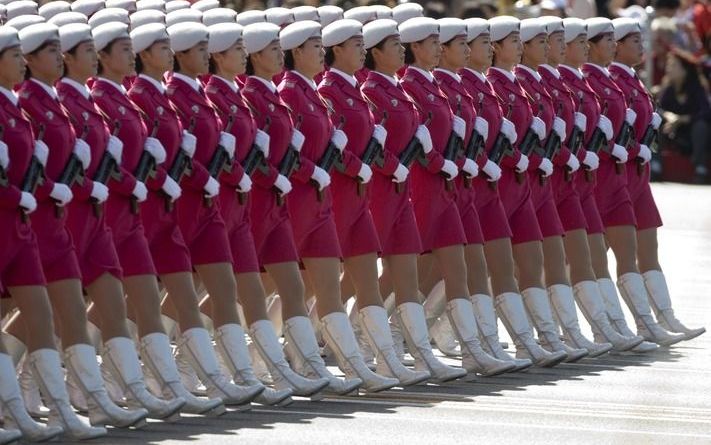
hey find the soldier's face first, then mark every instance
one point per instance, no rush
(482, 52)
(270, 59)
(12, 67)
(536, 49)
(630, 50)
(577, 51)
(556, 48)
(509, 50)
(234, 59)
(83, 61)
(391, 55)
(120, 58)
(456, 52)
(159, 55)
(47, 64)
(311, 56)
(604, 49)
(351, 53)
(428, 52)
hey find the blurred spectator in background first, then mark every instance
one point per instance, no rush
(684, 100)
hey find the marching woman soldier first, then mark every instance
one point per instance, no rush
(357, 235)
(568, 203)
(612, 195)
(629, 54)
(552, 152)
(272, 231)
(228, 60)
(311, 203)
(21, 267)
(168, 249)
(588, 293)
(393, 211)
(516, 196)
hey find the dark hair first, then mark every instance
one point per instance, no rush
(288, 60)
(598, 37)
(73, 52)
(493, 57)
(409, 55)
(249, 70)
(211, 65)
(28, 73)
(369, 59)
(107, 49)
(139, 64)
(176, 64)
(330, 57)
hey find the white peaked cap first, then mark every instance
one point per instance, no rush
(279, 16)
(500, 27)
(176, 5)
(530, 28)
(598, 25)
(109, 15)
(382, 11)
(8, 37)
(223, 36)
(73, 34)
(417, 29)
(258, 36)
(252, 16)
(128, 5)
(450, 28)
(377, 31)
(573, 28)
(158, 5)
(183, 16)
(476, 27)
(625, 26)
(108, 32)
(19, 8)
(340, 31)
(87, 7)
(65, 18)
(145, 17)
(407, 11)
(145, 36)
(49, 10)
(34, 36)
(297, 33)
(552, 24)
(363, 14)
(305, 13)
(205, 5)
(329, 14)
(186, 35)
(24, 21)
(218, 15)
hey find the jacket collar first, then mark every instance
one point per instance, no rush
(79, 88)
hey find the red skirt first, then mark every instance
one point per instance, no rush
(492, 216)
(645, 209)
(567, 201)
(272, 232)
(239, 231)
(544, 205)
(93, 242)
(466, 204)
(394, 217)
(203, 229)
(20, 263)
(315, 232)
(516, 199)
(56, 246)
(165, 240)
(586, 193)
(612, 196)
(356, 230)
(129, 237)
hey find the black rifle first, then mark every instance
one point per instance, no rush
(332, 157)
(289, 163)
(624, 139)
(220, 159)
(255, 159)
(502, 147)
(374, 154)
(34, 176)
(413, 151)
(73, 173)
(650, 138)
(108, 169)
(146, 167)
(182, 165)
(454, 147)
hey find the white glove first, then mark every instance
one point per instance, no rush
(339, 139)
(450, 169)
(470, 168)
(482, 127)
(423, 135)
(188, 144)
(400, 174)
(262, 141)
(522, 164)
(591, 161)
(459, 126)
(559, 127)
(140, 192)
(546, 167)
(155, 148)
(380, 134)
(83, 152)
(61, 193)
(644, 153)
(492, 170)
(28, 202)
(171, 188)
(245, 184)
(573, 163)
(605, 125)
(365, 173)
(509, 130)
(656, 120)
(4, 155)
(228, 142)
(99, 192)
(630, 116)
(538, 127)
(115, 148)
(581, 121)
(297, 140)
(322, 177)
(41, 152)
(212, 188)
(283, 184)
(620, 153)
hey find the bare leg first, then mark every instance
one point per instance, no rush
(477, 274)
(454, 271)
(144, 300)
(499, 258)
(287, 281)
(109, 305)
(252, 296)
(554, 261)
(220, 284)
(324, 274)
(623, 241)
(68, 303)
(402, 274)
(578, 253)
(529, 264)
(363, 271)
(182, 300)
(648, 250)
(36, 326)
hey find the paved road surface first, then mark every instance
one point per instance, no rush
(664, 397)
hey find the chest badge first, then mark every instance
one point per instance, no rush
(311, 107)
(271, 108)
(430, 97)
(195, 109)
(49, 115)
(122, 109)
(480, 96)
(11, 122)
(159, 110)
(85, 116)
(635, 93)
(512, 98)
(394, 102)
(233, 109)
(349, 101)
(555, 93)
(538, 96)
(607, 91)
